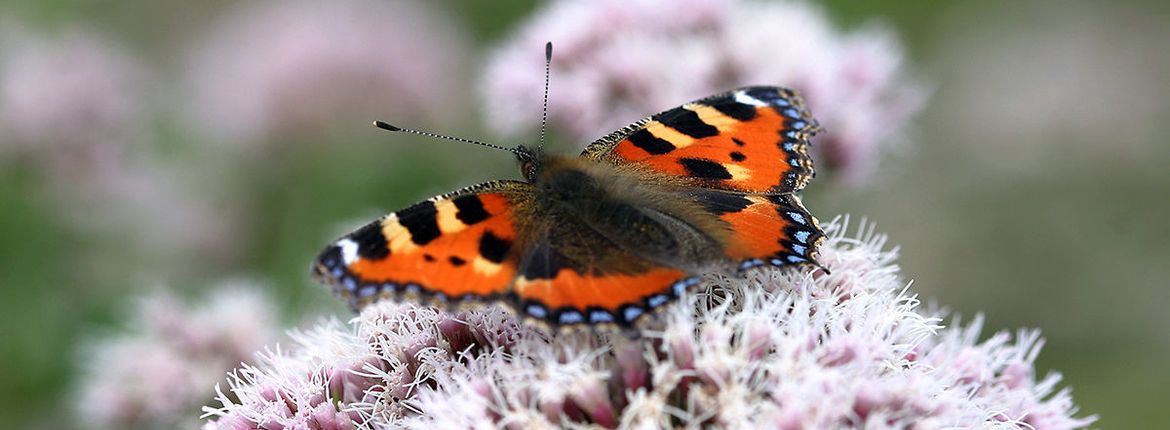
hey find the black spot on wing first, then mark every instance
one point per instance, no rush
(421, 221)
(471, 209)
(494, 248)
(738, 142)
(720, 203)
(704, 169)
(734, 109)
(371, 243)
(650, 143)
(456, 261)
(686, 122)
(738, 156)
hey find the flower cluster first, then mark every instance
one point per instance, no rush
(620, 60)
(777, 348)
(155, 374)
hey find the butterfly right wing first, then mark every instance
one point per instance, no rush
(745, 153)
(464, 245)
(451, 247)
(764, 229)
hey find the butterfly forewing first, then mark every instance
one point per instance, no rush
(451, 247)
(751, 140)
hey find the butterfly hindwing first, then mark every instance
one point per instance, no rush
(771, 229)
(572, 298)
(751, 140)
(452, 247)
(563, 283)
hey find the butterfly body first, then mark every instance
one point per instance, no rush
(577, 202)
(604, 238)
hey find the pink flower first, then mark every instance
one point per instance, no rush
(74, 98)
(777, 348)
(617, 61)
(74, 105)
(156, 372)
(274, 68)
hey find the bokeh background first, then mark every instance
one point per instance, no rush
(1028, 178)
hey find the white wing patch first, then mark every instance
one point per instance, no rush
(349, 251)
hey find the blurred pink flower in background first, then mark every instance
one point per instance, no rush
(616, 61)
(75, 99)
(76, 105)
(280, 68)
(777, 349)
(156, 373)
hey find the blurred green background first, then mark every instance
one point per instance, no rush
(1035, 189)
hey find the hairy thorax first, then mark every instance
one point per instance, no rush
(599, 215)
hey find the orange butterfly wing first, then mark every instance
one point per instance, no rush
(452, 247)
(771, 229)
(750, 140)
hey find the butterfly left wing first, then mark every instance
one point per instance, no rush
(749, 140)
(452, 247)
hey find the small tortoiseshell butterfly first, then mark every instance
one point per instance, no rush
(606, 237)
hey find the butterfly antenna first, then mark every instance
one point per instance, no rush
(385, 126)
(547, 64)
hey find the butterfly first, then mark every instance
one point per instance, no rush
(607, 237)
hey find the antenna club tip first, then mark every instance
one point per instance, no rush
(383, 125)
(548, 50)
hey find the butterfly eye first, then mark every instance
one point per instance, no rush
(528, 162)
(528, 169)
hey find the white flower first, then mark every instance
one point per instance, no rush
(775, 349)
